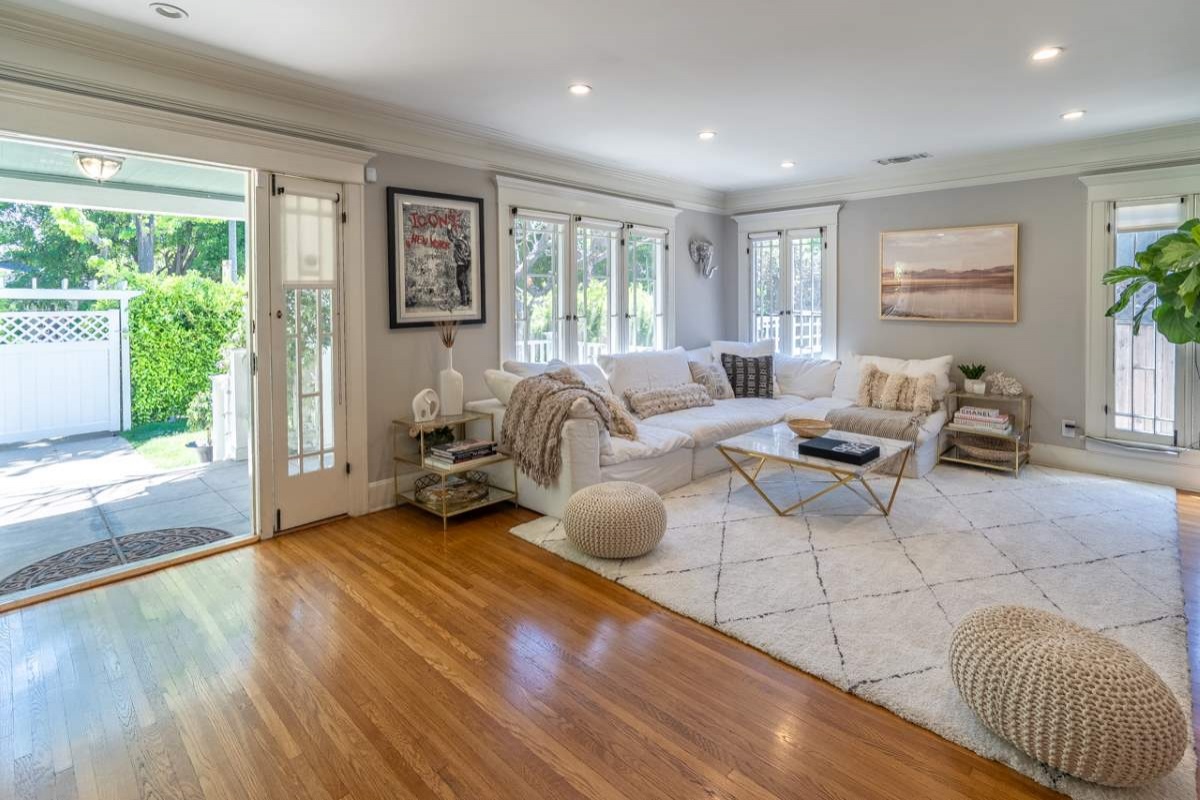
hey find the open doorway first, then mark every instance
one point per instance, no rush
(125, 376)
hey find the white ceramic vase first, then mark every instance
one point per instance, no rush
(976, 386)
(450, 387)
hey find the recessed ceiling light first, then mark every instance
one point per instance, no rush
(168, 11)
(579, 89)
(1073, 115)
(1046, 53)
(787, 164)
(707, 136)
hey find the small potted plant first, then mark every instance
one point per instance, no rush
(199, 418)
(973, 373)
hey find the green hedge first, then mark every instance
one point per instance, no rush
(177, 330)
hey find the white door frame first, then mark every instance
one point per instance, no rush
(94, 123)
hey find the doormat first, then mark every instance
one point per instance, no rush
(111, 552)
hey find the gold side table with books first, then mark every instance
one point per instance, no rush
(979, 446)
(446, 490)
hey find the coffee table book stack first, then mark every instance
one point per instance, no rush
(455, 481)
(988, 430)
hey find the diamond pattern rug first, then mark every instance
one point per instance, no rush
(869, 602)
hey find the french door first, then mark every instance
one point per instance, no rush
(585, 288)
(308, 389)
(787, 273)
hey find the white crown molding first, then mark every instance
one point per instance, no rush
(41, 50)
(44, 50)
(1118, 151)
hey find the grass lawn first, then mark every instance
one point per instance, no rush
(164, 444)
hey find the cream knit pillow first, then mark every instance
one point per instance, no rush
(896, 391)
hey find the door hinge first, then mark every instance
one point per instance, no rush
(1175, 439)
(254, 363)
(1106, 409)
(344, 217)
(510, 231)
(347, 467)
(1108, 227)
(278, 520)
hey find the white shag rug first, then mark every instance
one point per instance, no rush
(869, 602)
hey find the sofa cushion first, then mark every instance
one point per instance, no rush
(846, 384)
(655, 369)
(702, 354)
(651, 442)
(818, 407)
(501, 383)
(713, 378)
(763, 347)
(592, 375)
(524, 369)
(807, 377)
(725, 418)
(647, 403)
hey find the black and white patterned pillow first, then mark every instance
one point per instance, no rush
(750, 376)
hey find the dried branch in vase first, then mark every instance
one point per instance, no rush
(447, 330)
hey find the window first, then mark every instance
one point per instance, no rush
(1143, 384)
(1143, 379)
(538, 259)
(788, 292)
(645, 281)
(608, 297)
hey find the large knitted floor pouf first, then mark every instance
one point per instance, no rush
(615, 519)
(1071, 698)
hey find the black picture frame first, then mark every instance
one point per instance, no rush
(399, 317)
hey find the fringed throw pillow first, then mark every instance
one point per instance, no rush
(896, 391)
(652, 402)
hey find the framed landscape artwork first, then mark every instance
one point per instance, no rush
(435, 258)
(949, 274)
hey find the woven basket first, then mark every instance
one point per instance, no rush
(986, 449)
(809, 428)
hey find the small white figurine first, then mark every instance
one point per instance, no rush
(425, 405)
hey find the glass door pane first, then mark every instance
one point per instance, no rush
(645, 312)
(595, 278)
(766, 271)
(539, 252)
(806, 253)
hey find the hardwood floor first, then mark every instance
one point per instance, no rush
(364, 659)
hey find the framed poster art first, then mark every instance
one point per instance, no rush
(949, 274)
(435, 258)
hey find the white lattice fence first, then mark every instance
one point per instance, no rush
(60, 374)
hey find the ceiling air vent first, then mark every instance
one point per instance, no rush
(902, 159)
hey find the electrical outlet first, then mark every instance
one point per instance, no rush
(1068, 428)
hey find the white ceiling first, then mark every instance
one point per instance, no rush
(831, 85)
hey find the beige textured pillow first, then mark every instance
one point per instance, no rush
(896, 391)
(651, 402)
(713, 378)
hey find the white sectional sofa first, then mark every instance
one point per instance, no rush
(676, 448)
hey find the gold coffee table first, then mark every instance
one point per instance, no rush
(777, 443)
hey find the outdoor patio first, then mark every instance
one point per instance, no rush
(64, 494)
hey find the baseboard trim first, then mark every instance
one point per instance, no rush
(1180, 476)
(382, 494)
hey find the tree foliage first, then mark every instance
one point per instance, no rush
(1171, 267)
(58, 242)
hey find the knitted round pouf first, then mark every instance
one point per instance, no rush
(1067, 696)
(615, 519)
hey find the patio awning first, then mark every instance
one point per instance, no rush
(32, 172)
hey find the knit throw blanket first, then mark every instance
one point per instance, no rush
(904, 425)
(539, 407)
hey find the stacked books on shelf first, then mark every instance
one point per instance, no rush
(987, 420)
(453, 454)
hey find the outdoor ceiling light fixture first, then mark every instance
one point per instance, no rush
(97, 167)
(168, 11)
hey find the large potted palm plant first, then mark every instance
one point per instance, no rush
(1172, 266)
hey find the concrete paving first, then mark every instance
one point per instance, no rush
(55, 495)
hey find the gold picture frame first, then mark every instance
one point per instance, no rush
(963, 274)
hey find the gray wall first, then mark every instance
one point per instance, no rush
(401, 363)
(1044, 349)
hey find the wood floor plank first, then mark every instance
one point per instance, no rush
(369, 658)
